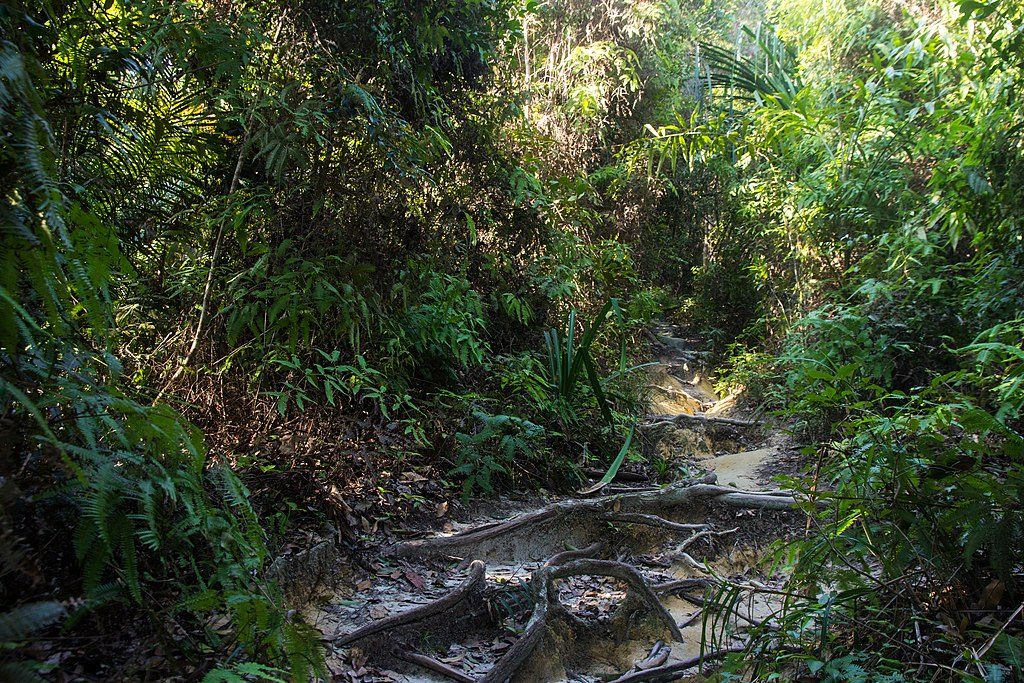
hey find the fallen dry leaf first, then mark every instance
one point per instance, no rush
(992, 594)
(415, 579)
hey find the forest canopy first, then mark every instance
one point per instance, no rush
(271, 270)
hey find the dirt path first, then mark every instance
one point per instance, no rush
(631, 579)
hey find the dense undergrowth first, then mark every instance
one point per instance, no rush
(261, 261)
(265, 264)
(878, 165)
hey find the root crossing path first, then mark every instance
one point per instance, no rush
(645, 581)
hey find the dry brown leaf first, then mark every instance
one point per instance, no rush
(992, 594)
(415, 579)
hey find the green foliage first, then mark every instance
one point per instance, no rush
(340, 207)
(245, 672)
(17, 625)
(613, 468)
(569, 358)
(877, 175)
(441, 323)
(331, 382)
(768, 74)
(283, 302)
(497, 444)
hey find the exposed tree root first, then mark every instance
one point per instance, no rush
(750, 500)
(589, 551)
(471, 585)
(679, 585)
(692, 618)
(667, 420)
(636, 504)
(431, 664)
(625, 573)
(658, 656)
(706, 533)
(633, 507)
(517, 655)
(619, 476)
(651, 520)
(543, 582)
(671, 672)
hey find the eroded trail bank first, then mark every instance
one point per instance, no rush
(638, 582)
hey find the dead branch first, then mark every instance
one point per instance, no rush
(443, 604)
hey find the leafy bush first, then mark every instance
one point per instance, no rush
(440, 324)
(497, 444)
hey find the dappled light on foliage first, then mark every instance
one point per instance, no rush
(283, 284)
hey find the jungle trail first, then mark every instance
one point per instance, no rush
(512, 340)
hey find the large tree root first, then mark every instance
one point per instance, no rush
(517, 655)
(681, 418)
(651, 520)
(543, 582)
(634, 504)
(628, 575)
(549, 617)
(547, 608)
